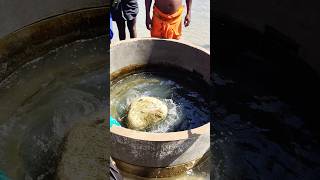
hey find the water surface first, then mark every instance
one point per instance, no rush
(43, 99)
(260, 129)
(187, 108)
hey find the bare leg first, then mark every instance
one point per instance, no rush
(132, 28)
(121, 29)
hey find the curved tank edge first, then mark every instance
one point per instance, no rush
(38, 38)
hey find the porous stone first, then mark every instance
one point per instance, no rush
(84, 153)
(146, 111)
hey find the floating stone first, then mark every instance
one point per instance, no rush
(146, 111)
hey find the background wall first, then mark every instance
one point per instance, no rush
(15, 14)
(296, 19)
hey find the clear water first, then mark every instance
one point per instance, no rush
(197, 33)
(43, 99)
(187, 108)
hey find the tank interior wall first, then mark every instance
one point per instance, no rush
(152, 51)
(15, 14)
(299, 20)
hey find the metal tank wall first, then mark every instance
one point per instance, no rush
(15, 14)
(159, 154)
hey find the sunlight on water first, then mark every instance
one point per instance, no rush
(187, 108)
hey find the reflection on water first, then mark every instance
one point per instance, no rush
(43, 99)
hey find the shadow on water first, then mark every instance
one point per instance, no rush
(264, 120)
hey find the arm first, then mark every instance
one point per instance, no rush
(148, 19)
(187, 19)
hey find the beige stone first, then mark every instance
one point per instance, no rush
(84, 153)
(146, 111)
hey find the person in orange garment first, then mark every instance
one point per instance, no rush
(167, 18)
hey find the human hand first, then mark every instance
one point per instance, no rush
(148, 23)
(187, 20)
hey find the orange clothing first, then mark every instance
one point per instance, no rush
(165, 25)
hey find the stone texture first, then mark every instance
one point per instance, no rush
(146, 111)
(84, 155)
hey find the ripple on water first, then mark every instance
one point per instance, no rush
(187, 108)
(43, 99)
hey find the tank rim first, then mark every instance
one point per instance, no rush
(161, 137)
(117, 43)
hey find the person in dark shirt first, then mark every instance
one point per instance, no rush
(122, 11)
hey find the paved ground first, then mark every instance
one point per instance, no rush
(197, 33)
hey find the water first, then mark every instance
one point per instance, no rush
(258, 132)
(187, 108)
(43, 99)
(197, 33)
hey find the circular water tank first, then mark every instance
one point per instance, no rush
(158, 154)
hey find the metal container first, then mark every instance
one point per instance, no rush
(158, 154)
